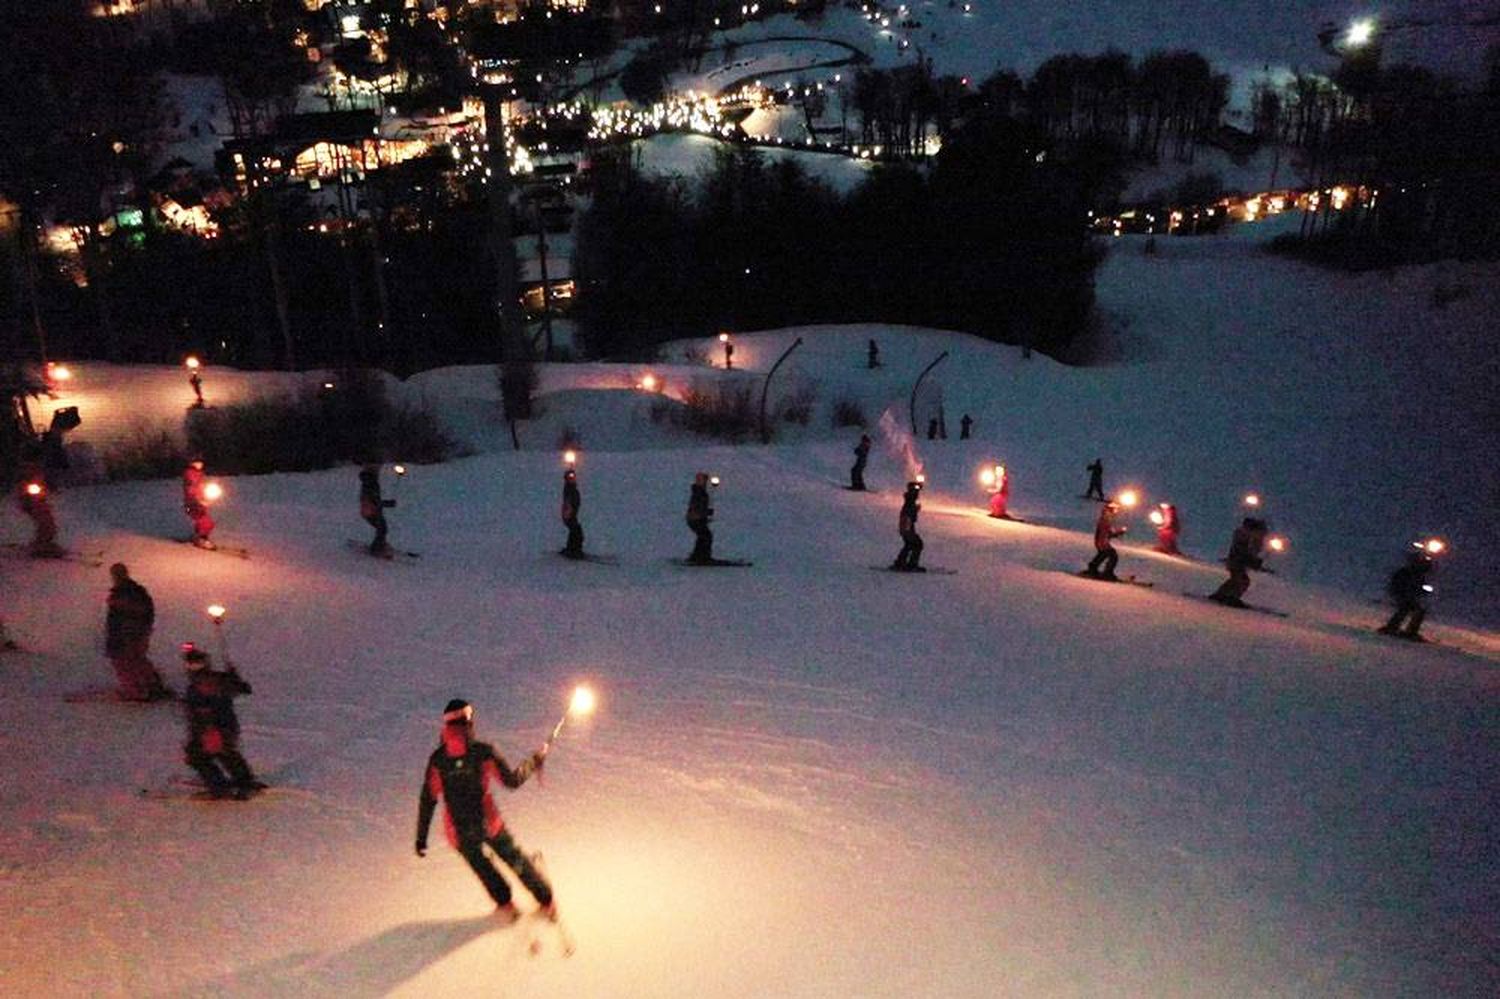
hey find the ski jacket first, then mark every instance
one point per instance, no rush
(862, 452)
(1105, 530)
(459, 773)
(209, 706)
(1245, 548)
(129, 618)
(1406, 582)
(370, 503)
(572, 501)
(909, 510)
(698, 509)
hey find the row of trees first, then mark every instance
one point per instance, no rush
(992, 240)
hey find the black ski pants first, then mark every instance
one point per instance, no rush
(575, 537)
(857, 475)
(1104, 562)
(224, 769)
(377, 521)
(703, 548)
(1235, 586)
(911, 550)
(1410, 611)
(506, 849)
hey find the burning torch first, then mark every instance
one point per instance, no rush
(1252, 500)
(400, 471)
(1431, 547)
(570, 459)
(212, 492)
(580, 705)
(648, 383)
(216, 614)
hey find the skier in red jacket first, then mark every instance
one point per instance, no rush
(1168, 528)
(1105, 558)
(31, 494)
(459, 773)
(195, 503)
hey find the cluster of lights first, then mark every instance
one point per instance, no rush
(690, 112)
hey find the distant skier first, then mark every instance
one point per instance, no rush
(699, 513)
(212, 748)
(572, 501)
(196, 381)
(1000, 497)
(1168, 530)
(1105, 557)
(459, 773)
(911, 542)
(32, 496)
(861, 458)
(1244, 554)
(965, 426)
(195, 503)
(942, 424)
(372, 508)
(127, 638)
(932, 429)
(873, 355)
(1096, 480)
(1408, 588)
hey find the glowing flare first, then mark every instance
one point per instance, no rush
(1277, 544)
(59, 372)
(713, 480)
(570, 458)
(987, 476)
(1252, 499)
(213, 491)
(921, 478)
(649, 383)
(217, 612)
(1157, 517)
(399, 469)
(192, 363)
(1433, 546)
(1360, 32)
(34, 489)
(723, 337)
(1129, 498)
(582, 702)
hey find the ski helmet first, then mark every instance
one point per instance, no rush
(193, 658)
(458, 710)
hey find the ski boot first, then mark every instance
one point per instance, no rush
(205, 544)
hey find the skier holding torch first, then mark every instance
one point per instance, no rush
(1408, 587)
(1168, 528)
(906, 523)
(572, 501)
(372, 508)
(1245, 549)
(1102, 565)
(197, 493)
(212, 747)
(699, 513)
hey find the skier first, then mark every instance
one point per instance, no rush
(459, 772)
(861, 458)
(127, 638)
(911, 542)
(35, 503)
(965, 426)
(1408, 586)
(195, 504)
(1102, 565)
(1000, 498)
(572, 500)
(1096, 480)
(699, 513)
(212, 748)
(932, 429)
(1168, 529)
(874, 355)
(1244, 554)
(372, 508)
(197, 383)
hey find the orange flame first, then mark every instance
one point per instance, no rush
(212, 491)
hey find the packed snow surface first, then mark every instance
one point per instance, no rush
(808, 777)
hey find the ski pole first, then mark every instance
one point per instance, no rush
(216, 613)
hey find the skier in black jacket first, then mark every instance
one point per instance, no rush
(213, 729)
(572, 500)
(372, 508)
(699, 513)
(911, 541)
(1096, 480)
(861, 458)
(1408, 587)
(1245, 550)
(459, 773)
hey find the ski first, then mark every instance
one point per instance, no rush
(596, 559)
(1016, 520)
(187, 789)
(712, 563)
(1248, 607)
(850, 489)
(364, 549)
(78, 558)
(930, 570)
(237, 552)
(1085, 574)
(540, 920)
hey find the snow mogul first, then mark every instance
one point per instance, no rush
(212, 748)
(908, 559)
(572, 501)
(1408, 587)
(32, 496)
(861, 459)
(699, 513)
(1245, 549)
(195, 503)
(1102, 565)
(459, 773)
(372, 508)
(128, 621)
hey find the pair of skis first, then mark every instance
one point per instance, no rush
(92, 559)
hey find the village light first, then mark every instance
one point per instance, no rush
(212, 492)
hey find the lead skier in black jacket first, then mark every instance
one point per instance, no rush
(213, 749)
(699, 513)
(459, 773)
(571, 501)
